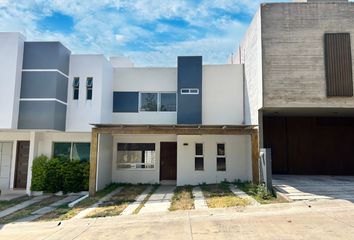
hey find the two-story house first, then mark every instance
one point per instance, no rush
(179, 125)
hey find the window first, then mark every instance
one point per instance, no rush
(89, 86)
(199, 157)
(148, 102)
(190, 91)
(76, 85)
(168, 102)
(76, 151)
(338, 63)
(136, 156)
(162, 102)
(220, 158)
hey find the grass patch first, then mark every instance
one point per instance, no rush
(28, 210)
(64, 212)
(142, 204)
(182, 199)
(7, 204)
(220, 196)
(259, 192)
(118, 202)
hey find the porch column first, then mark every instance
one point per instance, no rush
(255, 156)
(93, 162)
(33, 152)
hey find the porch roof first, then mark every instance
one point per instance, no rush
(178, 129)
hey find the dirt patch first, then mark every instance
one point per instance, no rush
(220, 196)
(182, 199)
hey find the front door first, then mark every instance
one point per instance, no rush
(21, 164)
(5, 164)
(168, 161)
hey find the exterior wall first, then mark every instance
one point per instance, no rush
(41, 143)
(189, 75)
(104, 161)
(238, 159)
(81, 113)
(293, 52)
(43, 86)
(250, 54)
(222, 94)
(11, 57)
(140, 175)
(145, 80)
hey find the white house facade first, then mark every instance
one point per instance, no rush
(180, 125)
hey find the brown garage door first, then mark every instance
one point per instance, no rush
(310, 145)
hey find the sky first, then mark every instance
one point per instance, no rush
(149, 32)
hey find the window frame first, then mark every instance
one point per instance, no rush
(89, 88)
(198, 156)
(189, 91)
(220, 156)
(71, 148)
(158, 102)
(134, 169)
(76, 87)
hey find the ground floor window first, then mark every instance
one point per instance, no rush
(72, 150)
(199, 157)
(220, 158)
(136, 156)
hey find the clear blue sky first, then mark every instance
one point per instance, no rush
(150, 32)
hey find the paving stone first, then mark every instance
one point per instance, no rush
(159, 201)
(199, 200)
(22, 205)
(131, 207)
(238, 192)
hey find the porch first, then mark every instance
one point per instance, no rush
(169, 153)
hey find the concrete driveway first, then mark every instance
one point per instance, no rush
(323, 220)
(298, 188)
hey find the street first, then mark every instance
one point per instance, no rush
(323, 219)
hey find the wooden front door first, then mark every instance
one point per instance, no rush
(168, 161)
(21, 164)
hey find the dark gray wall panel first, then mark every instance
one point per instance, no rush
(44, 85)
(125, 101)
(46, 55)
(42, 115)
(189, 76)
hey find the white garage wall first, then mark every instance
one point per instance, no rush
(104, 161)
(139, 175)
(238, 159)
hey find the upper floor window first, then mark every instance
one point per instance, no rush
(148, 102)
(89, 86)
(154, 102)
(76, 86)
(190, 91)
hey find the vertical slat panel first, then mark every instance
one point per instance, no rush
(338, 61)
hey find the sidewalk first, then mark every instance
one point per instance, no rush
(323, 220)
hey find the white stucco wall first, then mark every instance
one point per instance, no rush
(140, 175)
(145, 80)
(238, 159)
(11, 57)
(82, 112)
(222, 94)
(104, 161)
(250, 54)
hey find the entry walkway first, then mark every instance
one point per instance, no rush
(298, 188)
(160, 200)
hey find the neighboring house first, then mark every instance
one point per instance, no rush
(183, 125)
(299, 85)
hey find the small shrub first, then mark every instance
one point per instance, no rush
(39, 173)
(53, 178)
